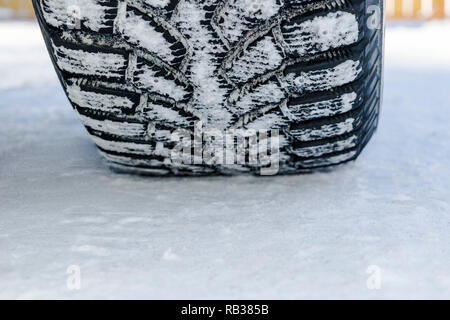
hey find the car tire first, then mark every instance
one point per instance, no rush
(139, 72)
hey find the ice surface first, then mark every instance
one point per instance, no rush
(310, 236)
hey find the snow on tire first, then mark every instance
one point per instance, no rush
(136, 71)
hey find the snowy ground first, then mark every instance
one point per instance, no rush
(311, 236)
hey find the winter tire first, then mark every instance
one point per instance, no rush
(139, 72)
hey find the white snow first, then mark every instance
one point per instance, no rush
(428, 45)
(310, 236)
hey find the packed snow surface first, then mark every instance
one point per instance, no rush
(309, 236)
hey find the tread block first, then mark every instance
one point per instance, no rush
(136, 70)
(115, 102)
(122, 129)
(325, 78)
(327, 147)
(342, 157)
(122, 146)
(261, 57)
(129, 160)
(327, 129)
(152, 78)
(142, 31)
(94, 15)
(166, 7)
(324, 108)
(243, 16)
(321, 33)
(165, 113)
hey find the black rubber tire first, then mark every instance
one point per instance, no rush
(137, 70)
